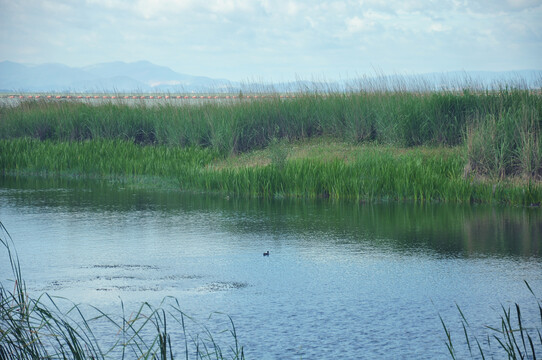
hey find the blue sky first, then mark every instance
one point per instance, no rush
(278, 40)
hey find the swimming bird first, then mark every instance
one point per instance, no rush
(266, 253)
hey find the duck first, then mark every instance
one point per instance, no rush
(266, 253)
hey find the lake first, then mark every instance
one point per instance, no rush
(343, 279)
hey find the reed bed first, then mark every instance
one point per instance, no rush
(514, 338)
(37, 328)
(374, 173)
(499, 132)
(326, 170)
(101, 158)
(402, 118)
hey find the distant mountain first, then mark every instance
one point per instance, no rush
(145, 77)
(141, 76)
(19, 77)
(152, 75)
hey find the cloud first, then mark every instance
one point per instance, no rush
(502, 6)
(356, 24)
(237, 38)
(438, 27)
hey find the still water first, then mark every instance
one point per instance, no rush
(343, 280)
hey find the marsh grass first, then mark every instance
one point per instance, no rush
(279, 153)
(42, 328)
(307, 169)
(506, 143)
(101, 158)
(510, 339)
(396, 116)
(368, 173)
(499, 131)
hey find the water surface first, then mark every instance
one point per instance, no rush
(343, 280)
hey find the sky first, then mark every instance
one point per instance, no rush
(278, 40)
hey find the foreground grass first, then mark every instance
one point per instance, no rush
(511, 339)
(316, 168)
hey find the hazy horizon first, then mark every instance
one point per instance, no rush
(275, 41)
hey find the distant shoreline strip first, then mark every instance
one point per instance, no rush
(143, 97)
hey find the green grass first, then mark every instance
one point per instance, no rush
(101, 158)
(393, 117)
(488, 145)
(506, 143)
(508, 340)
(307, 169)
(365, 173)
(37, 328)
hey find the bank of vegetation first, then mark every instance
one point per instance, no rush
(461, 146)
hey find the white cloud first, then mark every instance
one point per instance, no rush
(292, 8)
(238, 38)
(355, 24)
(438, 27)
(502, 6)
(109, 4)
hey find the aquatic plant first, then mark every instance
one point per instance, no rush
(279, 153)
(510, 339)
(495, 136)
(506, 143)
(101, 158)
(330, 170)
(38, 328)
(382, 114)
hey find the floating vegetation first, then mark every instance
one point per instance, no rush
(222, 286)
(120, 266)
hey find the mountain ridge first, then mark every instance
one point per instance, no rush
(118, 76)
(146, 77)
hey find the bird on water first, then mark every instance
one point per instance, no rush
(266, 253)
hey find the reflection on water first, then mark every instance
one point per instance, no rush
(342, 279)
(451, 230)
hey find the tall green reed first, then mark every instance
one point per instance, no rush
(375, 173)
(506, 143)
(101, 158)
(372, 172)
(398, 116)
(511, 339)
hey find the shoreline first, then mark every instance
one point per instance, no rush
(315, 168)
(463, 146)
